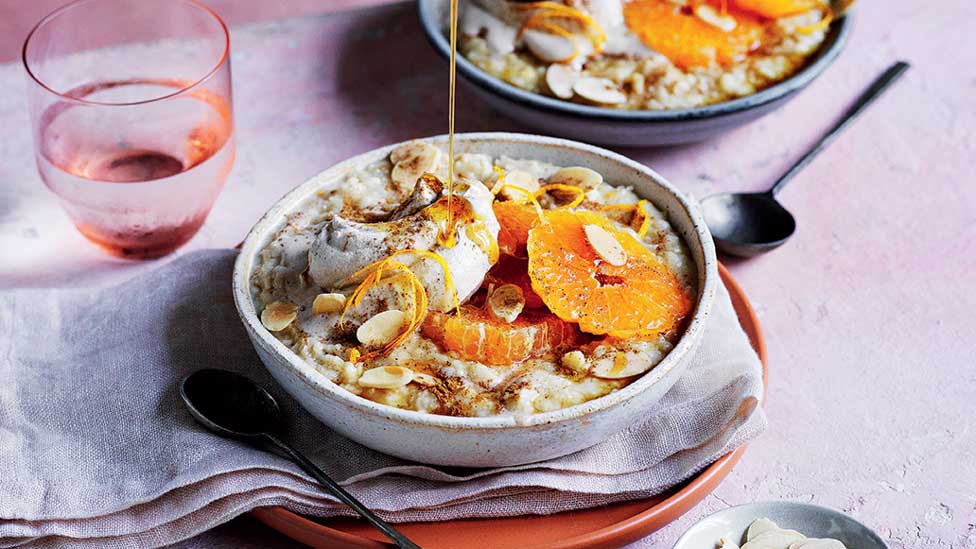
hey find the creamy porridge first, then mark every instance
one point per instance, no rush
(643, 54)
(532, 288)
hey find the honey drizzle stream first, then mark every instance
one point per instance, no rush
(448, 239)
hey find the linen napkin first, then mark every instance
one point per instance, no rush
(97, 450)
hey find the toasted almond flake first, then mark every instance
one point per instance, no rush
(560, 79)
(424, 379)
(551, 47)
(278, 315)
(386, 377)
(577, 176)
(415, 159)
(382, 328)
(619, 366)
(605, 245)
(708, 14)
(506, 302)
(759, 526)
(328, 303)
(575, 361)
(517, 184)
(601, 91)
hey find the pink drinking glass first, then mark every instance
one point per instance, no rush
(130, 104)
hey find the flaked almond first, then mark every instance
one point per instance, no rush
(424, 379)
(278, 315)
(560, 79)
(386, 377)
(550, 48)
(601, 91)
(328, 303)
(710, 15)
(382, 328)
(605, 245)
(577, 176)
(759, 526)
(506, 302)
(575, 361)
(415, 159)
(521, 180)
(620, 366)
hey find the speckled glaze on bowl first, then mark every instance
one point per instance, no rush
(498, 440)
(623, 127)
(810, 520)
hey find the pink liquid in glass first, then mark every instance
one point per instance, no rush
(143, 189)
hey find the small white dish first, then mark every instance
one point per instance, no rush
(810, 520)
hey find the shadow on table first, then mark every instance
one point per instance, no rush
(389, 74)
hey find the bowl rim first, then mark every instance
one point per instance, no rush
(811, 507)
(265, 227)
(836, 40)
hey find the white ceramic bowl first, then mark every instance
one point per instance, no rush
(813, 521)
(499, 440)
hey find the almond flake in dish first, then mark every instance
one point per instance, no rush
(328, 303)
(577, 176)
(386, 377)
(506, 302)
(278, 315)
(382, 328)
(605, 245)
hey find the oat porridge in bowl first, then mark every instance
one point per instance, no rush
(640, 72)
(642, 54)
(546, 296)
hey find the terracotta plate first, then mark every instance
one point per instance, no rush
(601, 527)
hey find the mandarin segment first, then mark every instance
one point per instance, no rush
(688, 41)
(641, 298)
(515, 220)
(777, 8)
(477, 335)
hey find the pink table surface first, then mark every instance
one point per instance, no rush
(868, 311)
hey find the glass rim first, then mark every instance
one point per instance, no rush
(49, 17)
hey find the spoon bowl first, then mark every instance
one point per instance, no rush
(230, 404)
(747, 224)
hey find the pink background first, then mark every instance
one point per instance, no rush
(868, 311)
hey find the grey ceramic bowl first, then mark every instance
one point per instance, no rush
(497, 440)
(812, 521)
(628, 128)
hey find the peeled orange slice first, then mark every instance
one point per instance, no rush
(477, 335)
(640, 298)
(515, 220)
(777, 8)
(688, 41)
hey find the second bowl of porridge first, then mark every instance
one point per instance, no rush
(639, 72)
(536, 310)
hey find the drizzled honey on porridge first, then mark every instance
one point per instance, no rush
(552, 288)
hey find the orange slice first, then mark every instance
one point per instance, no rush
(515, 270)
(777, 8)
(678, 34)
(515, 220)
(641, 298)
(477, 335)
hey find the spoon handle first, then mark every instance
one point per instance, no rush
(339, 492)
(881, 84)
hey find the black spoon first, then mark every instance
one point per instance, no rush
(749, 224)
(232, 405)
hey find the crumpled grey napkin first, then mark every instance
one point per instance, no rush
(97, 450)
